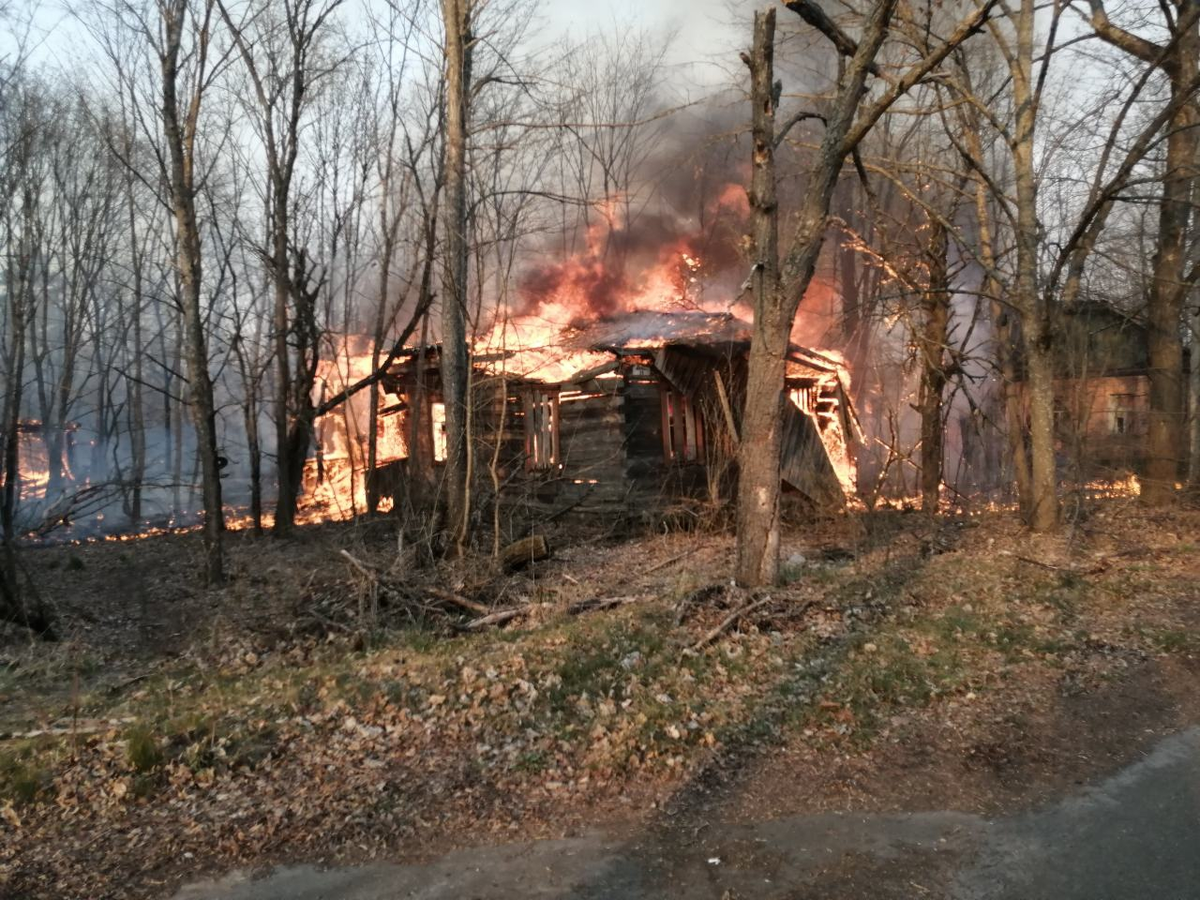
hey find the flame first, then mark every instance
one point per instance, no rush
(33, 462)
(649, 264)
(335, 483)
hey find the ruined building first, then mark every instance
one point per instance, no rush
(621, 420)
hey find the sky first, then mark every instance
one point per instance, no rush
(704, 26)
(708, 33)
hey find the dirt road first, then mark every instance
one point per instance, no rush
(1135, 834)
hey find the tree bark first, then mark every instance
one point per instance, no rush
(776, 300)
(759, 447)
(1178, 59)
(1036, 317)
(180, 134)
(1165, 447)
(456, 15)
(935, 313)
(1194, 405)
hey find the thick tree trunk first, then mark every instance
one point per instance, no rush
(1043, 514)
(1178, 58)
(456, 15)
(1037, 324)
(1165, 440)
(1194, 405)
(759, 447)
(935, 312)
(777, 299)
(204, 417)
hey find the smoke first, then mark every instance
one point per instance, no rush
(601, 289)
(673, 238)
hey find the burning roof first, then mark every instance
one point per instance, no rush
(536, 350)
(650, 329)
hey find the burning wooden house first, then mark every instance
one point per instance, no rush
(621, 420)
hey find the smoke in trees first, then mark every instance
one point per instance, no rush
(598, 180)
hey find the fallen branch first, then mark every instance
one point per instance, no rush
(91, 726)
(458, 600)
(583, 606)
(693, 597)
(1091, 570)
(728, 621)
(497, 618)
(667, 562)
(360, 565)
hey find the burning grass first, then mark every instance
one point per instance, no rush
(258, 733)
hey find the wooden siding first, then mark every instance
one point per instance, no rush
(804, 461)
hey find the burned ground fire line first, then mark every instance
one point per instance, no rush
(645, 425)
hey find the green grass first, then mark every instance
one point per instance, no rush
(142, 749)
(1171, 640)
(21, 779)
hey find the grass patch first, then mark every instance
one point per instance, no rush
(142, 749)
(21, 779)
(1172, 640)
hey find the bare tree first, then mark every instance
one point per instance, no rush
(458, 21)
(778, 284)
(180, 122)
(284, 61)
(22, 174)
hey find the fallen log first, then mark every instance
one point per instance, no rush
(521, 553)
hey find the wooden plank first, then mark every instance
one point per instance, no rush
(804, 460)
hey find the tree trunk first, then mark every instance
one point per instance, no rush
(385, 268)
(935, 310)
(1014, 418)
(1178, 58)
(11, 606)
(137, 412)
(285, 499)
(1194, 405)
(254, 450)
(456, 15)
(759, 447)
(180, 137)
(1036, 319)
(1166, 436)
(776, 304)
(181, 404)
(15, 606)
